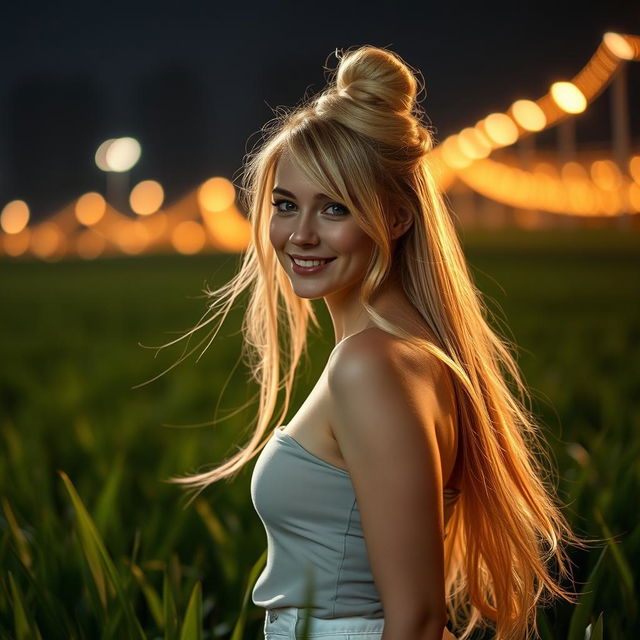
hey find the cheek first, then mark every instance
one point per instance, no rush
(351, 239)
(277, 232)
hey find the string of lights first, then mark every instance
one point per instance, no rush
(207, 217)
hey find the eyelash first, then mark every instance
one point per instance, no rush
(334, 204)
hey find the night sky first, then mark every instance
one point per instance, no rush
(194, 82)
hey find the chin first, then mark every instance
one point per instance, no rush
(309, 292)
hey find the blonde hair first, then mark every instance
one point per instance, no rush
(363, 142)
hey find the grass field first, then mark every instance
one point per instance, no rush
(94, 543)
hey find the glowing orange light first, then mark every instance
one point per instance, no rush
(568, 97)
(473, 144)
(618, 45)
(529, 115)
(452, 154)
(132, 237)
(634, 168)
(546, 168)
(229, 230)
(573, 171)
(156, 225)
(146, 197)
(606, 175)
(90, 208)
(188, 237)
(15, 244)
(216, 194)
(634, 196)
(501, 129)
(14, 216)
(89, 245)
(47, 240)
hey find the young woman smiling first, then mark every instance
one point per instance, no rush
(406, 489)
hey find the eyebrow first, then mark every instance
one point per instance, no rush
(284, 192)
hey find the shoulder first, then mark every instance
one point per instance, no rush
(384, 413)
(380, 387)
(376, 357)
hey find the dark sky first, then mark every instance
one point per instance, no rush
(193, 81)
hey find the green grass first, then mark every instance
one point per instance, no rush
(93, 543)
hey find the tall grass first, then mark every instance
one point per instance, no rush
(93, 543)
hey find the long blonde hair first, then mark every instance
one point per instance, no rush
(364, 142)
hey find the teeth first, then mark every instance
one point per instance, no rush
(309, 263)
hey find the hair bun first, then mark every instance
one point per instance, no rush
(378, 78)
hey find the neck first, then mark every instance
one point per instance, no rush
(348, 314)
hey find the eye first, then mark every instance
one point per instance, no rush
(342, 210)
(277, 204)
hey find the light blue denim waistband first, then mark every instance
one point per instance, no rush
(289, 622)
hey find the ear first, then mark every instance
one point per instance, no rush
(400, 223)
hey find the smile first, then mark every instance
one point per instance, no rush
(309, 266)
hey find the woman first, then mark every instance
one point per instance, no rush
(406, 487)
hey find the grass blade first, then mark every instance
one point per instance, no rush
(150, 594)
(170, 617)
(20, 619)
(192, 626)
(595, 632)
(582, 611)
(21, 543)
(622, 566)
(238, 629)
(98, 557)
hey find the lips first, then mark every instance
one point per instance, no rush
(299, 257)
(320, 259)
(298, 268)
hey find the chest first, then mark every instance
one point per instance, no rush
(311, 428)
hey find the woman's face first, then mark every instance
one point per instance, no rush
(309, 225)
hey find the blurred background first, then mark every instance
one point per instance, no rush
(123, 129)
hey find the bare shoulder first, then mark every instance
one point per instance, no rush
(376, 356)
(386, 388)
(385, 410)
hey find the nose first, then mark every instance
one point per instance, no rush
(304, 233)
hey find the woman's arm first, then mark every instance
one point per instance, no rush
(384, 418)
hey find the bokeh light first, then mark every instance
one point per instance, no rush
(101, 155)
(529, 115)
(90, 208)
(146, 197)
(568, 97)
(89, 244)
(47, 240)
(16, 244)
(122, 154)
(473, 143)
(634, 168)
(14, 216)
(453, 155)
(500, 128)
(606, 175)
(188, 237)
(618, 45)
(216, 194)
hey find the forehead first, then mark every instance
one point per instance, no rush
(290, 175)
